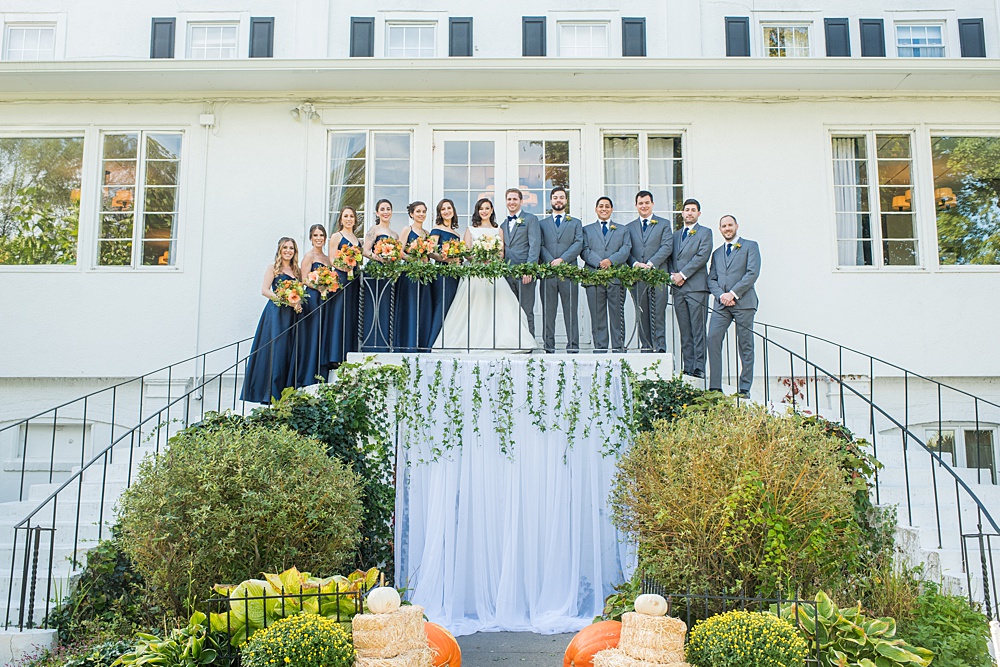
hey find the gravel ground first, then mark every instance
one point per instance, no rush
(491, 649)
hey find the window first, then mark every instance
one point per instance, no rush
(965, 199)
(138, 220)
(920, 41)
(786, 41)
(644, 161)
(861, 242)
(968, 446)
(212, 41)
(31, 41)
(583, 40)
(541, 166)
(39, 199)
(366, 167)
(469, 173)
(410, 40)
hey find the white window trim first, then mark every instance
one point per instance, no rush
(810, 35)
(575, 22)
(810, 19)
(383, 19)
(212, 24)
(185, 20)
(941, 23)
(612, 18)
(959, 427)
(55, 19)
(948, 18)
(644, 134)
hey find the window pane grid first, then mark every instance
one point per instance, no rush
(410, 41)
(583, 40)
(212, 41)
(30, 42)
(368, 166)
(920, 41)
(542, 165)
(469, 175)
(783, 41)
(644, 161)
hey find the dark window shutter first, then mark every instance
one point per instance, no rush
(737, 36)
(161, 42)
(872, 38)
(262, 37)
(972, 37)
(460, 36)
(532, 35)
(634, 37)
(362, 36)
(838, 37)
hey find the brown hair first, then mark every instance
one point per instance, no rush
(439, 219)
(295, 258)
(477, 221)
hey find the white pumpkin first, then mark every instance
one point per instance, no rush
(651, 604)
(383, 600)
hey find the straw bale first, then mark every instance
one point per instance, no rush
(615, 657)
(652, 638)
(389, 635)
(418, 657)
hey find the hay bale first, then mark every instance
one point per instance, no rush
(657, 639)
(419, 657)
(615, 657)
(389, 635)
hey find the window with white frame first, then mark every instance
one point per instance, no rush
(873, 200)
(583, 40)
(966, 446)
(212, 41)
(786, 41)
(30, 41)
(366, 166)
(966, 205)
(139, 188)
(919, 41)
(410, 40)
(644, 161)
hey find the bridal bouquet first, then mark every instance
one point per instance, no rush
(488, 249)
(453, 250)
(388, 250)
(421, 248)
(347, 259)
(324, 281)
(290, 293)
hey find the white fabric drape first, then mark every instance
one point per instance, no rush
(522, 541)
(849, 191)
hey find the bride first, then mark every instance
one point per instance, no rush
(485, 313)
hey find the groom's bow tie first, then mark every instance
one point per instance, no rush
(511, 218)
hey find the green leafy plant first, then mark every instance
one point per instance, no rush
(956, 631)
(847, 638)
(622, 600)
(258, 603)
(102, 654)
(228, 499)
(304, 640)
(656, 399)
(745, 639)
(183, 647)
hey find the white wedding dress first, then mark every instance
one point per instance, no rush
(485, 314)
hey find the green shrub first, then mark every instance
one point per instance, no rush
(305, 640)
(958, 634)
(655, 399)
(189, 646)
(103, 654)
(735, 499)
(745, 639)
(228, 500)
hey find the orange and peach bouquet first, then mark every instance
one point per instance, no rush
(388, 250)
(347, 259)
(323, 280)
(421, 248)
(455, 249)
(291, 293)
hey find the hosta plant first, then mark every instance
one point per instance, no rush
(183, 647)
(847, 638)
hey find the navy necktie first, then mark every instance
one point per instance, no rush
(558, 221)
(644, 221)
(604, 228)
(685, 234)
(729, 249)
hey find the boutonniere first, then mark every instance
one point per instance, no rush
(737, 245)
(519, 221)
(653, 221)
(612, 227)
(692, 231)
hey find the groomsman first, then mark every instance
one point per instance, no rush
(562, 243)
(735, 268)
(689, 274)
(604, 246)
(651, 249)
(522, 244)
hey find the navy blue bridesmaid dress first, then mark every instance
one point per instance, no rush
(442, 290)
(341, 318)
(269, 367)
(377, 303)
(310, 342)
(413, 314)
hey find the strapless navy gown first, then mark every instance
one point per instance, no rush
(412, 328)
(377, 303)
(311, 341)
(341, 318)
(442, 291)
(269, 367)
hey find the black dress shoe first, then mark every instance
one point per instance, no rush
(742, 394)
(715, 389)
(696, 374)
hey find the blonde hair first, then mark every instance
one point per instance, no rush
(295, 258)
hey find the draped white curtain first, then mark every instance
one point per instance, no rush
(517, 541)
(850, 188)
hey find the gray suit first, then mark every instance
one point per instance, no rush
(522, 244)
(736, 273)
(653, 246)
(607, 304)
(565, 241)
(691, 299)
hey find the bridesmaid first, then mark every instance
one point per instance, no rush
(311, 349)
(443, 289)
(341, 323)
(269, 366)
(376, 334)
(413, 300)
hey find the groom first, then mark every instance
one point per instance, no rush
(522, 244)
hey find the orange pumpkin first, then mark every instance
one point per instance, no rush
(443, 644)
(590, 640)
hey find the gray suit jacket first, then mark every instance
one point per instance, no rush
(566, 241)
(522, 242)
(736, 273)
(616, 246)
(691, 258)
(654, 246)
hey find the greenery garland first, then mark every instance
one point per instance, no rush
(427, 272)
